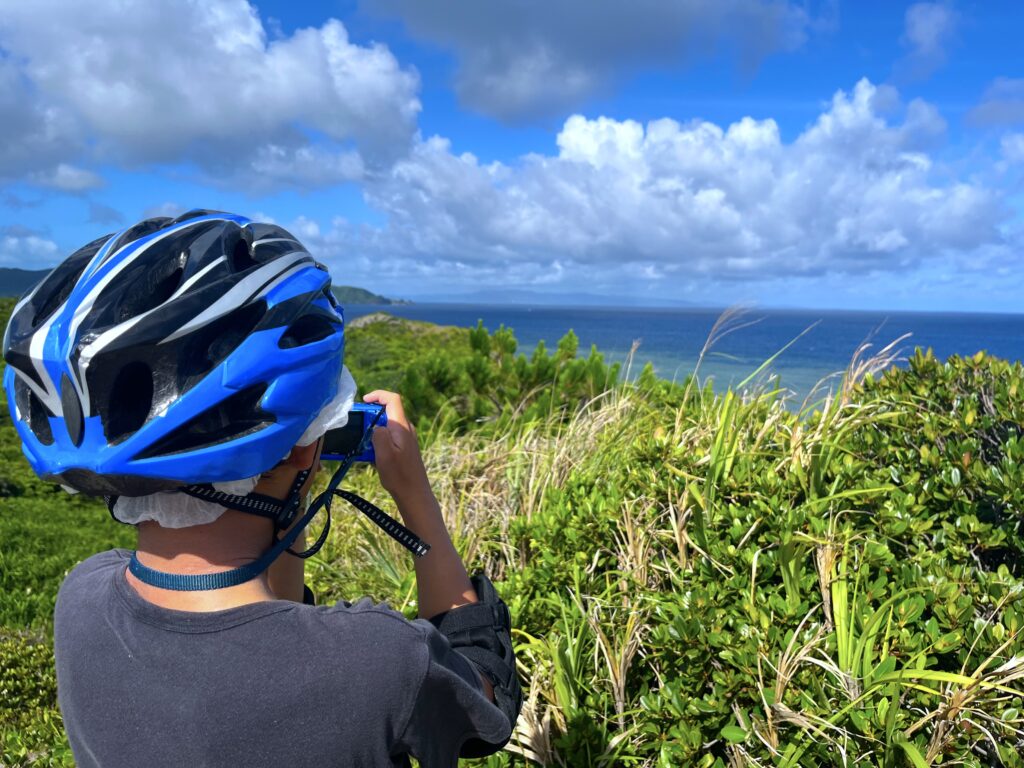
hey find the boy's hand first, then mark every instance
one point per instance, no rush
(398, 461)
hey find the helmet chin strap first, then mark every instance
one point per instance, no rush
(283, 514)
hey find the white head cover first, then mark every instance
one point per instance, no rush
(173, 509)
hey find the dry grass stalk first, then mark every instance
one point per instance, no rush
(635, 544)
(481, 483)
(825, 557)
(862, 365)
(678, 517)
(789, 663)
(618, 651)
(532, 736)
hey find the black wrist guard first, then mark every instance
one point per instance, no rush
(482, 632)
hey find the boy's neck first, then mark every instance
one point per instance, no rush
(232, 540)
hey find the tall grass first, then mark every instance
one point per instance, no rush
(719, 579)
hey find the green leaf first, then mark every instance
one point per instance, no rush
(734, 734)
(913, 753)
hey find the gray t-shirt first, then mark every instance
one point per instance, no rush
(267, 684)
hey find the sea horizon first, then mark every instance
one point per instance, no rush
(818, 343)
(753, 307)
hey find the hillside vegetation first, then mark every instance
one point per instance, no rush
(14, 281)
(348, 294)
(696, 578)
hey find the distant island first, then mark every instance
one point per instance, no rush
(348, 294)
(15, 282)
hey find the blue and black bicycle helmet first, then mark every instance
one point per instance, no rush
(187, 350)
(176, 354)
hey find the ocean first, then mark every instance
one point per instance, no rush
(821, 342)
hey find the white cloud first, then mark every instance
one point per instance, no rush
(168, 208)
(67, 178)
(1001, 104)
(33, 136)
(148, 81)
(522, 59)
(306, 229)
(928, 30)
(302, 167)
(1013, 147)
(854, 193)
(26, 250)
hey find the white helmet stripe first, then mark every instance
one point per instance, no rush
(85, 306)
(41, 394)
(49, 395)
(196, 277)
(99, 257)
(258, 283)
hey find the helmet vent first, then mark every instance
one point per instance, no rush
(131, 399)
(330, 296)
(155, 287)
(33, 412)
(241, 259)
(231, 419)
(306, 330)
(194, 213)
(140, 230)
(57, 288)
(209, 345)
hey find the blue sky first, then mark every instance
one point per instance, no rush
(844, 155)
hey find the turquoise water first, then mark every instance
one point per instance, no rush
(823, 342)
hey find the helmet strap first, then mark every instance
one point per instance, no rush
(282, 513)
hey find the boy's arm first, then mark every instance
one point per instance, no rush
(441, 579)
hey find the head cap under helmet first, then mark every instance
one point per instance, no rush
(188, 350)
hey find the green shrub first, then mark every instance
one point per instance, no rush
(31, 728)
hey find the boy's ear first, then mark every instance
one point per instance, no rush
(302, 455)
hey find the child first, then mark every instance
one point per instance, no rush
(187, 370)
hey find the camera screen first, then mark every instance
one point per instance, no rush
(345, 439)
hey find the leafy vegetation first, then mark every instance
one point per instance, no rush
(458, 379)
(696, 578)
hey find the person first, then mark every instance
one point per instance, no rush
(187, 370)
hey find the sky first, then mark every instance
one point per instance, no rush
(847, 155)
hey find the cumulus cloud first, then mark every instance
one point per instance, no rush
(928, 30)
(302, 167)
(622, 202)
(155, 81)
(25, 249)
(33, 135)
(1001, 104)
(525, 59)
(67, 178)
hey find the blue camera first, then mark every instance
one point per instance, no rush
(352, 442)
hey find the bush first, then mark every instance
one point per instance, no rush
(29, 721)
